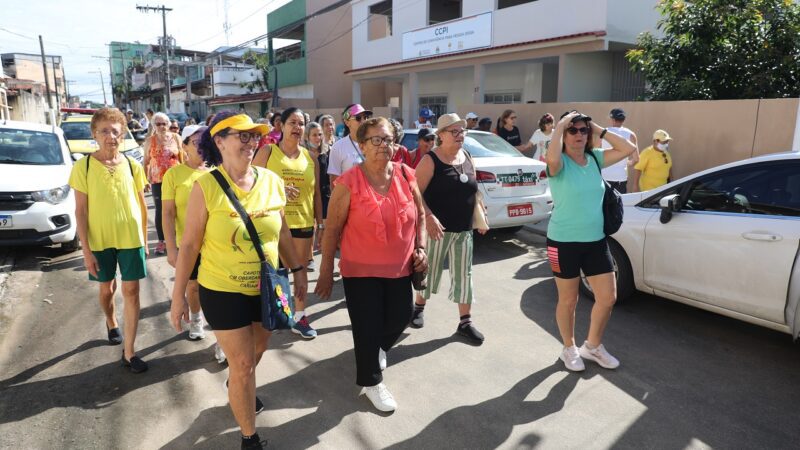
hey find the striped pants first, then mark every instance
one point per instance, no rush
(458, 248)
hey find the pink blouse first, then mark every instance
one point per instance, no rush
(379, 235)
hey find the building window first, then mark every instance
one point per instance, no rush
(436, 103)
(503, 97)
(509, 3)
(380, 20)
(443, 10)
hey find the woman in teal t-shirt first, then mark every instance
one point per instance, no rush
(575, 238)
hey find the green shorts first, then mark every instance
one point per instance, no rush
(131, 264)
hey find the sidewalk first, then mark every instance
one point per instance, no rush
(538, 228)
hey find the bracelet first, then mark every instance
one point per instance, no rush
(320, 226)
(297, 269)
(603, 133)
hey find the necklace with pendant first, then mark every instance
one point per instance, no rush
(462, 177)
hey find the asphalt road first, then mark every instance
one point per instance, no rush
(688, 379)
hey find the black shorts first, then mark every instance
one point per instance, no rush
(567, 259)
(193, 275)
(229, 310)
(302, 233)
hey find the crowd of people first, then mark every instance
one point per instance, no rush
(388, 212)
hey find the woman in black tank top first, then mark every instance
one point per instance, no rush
(446, 177)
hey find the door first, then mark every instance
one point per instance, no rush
(733, 243)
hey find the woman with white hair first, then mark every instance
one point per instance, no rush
(162, 151)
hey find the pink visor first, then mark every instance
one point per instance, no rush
(354, 111)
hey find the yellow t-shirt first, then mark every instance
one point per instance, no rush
(114, 217)
(177, 185)
(229, 261)
(654, 165)
(298, 172)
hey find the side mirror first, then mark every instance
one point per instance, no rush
(669, 204)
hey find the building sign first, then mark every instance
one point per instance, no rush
(138, 80)
(449, 37)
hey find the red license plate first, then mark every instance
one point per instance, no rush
(520, 210)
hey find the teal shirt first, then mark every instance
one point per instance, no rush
(577, 201)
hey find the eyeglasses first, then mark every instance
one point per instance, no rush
(113, 133)
(377, 141)
(456, 131)
(160, 124)
(574, 130)
(246, 136)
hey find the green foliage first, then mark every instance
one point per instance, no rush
(261, 62)
(722, 49)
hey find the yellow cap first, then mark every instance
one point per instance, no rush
(240, 122)
(661, 135)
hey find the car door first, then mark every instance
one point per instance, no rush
(734, 242)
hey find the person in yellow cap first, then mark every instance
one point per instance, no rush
(654, 168)
(229, 266)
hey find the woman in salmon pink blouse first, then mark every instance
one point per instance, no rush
(376, 212)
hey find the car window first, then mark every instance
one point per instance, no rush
(77, 130)
(489, 145)
(766, 188)
(29, 147)
(409, 141)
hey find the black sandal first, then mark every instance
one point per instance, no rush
(114, 335)
(136, 365)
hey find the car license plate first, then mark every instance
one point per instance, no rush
(6, 222)
(525, 209)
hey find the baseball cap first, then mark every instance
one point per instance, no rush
(239, 122)
(426, 113)
(661, 135)
(485, 120)
(191, 130)
(424, 133)
(617, 114)
(579, 118)
(471, 115)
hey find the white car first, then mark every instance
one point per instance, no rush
(37, 205)
(514, 187)
(725, 240)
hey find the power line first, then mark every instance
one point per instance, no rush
(247, 17)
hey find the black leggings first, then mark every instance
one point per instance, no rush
(157, 201)
(379, 309)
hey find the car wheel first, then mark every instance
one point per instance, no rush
(72, 245)
(622, 272)
(508, 230)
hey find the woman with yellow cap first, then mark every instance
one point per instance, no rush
(654, 168)
(229, 266)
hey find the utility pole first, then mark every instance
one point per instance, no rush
(46, 80)
(102, 84)
(164, 47)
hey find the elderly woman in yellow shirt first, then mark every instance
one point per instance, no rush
(654, 168)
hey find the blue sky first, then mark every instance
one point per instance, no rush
(77, 30)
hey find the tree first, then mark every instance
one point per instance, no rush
(722, 49)
(261, 62)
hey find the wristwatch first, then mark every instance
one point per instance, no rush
(603, 133)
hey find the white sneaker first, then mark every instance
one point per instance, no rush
(572, 359)
(599, 355)
(196, 331)
(382, 358)
(380, 397)
(219, 355)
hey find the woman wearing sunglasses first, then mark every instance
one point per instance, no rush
(654, 168)
(162, 151)
(446, 178)
(575, 238)
(346, 153)
(228, 274)
(176, 186)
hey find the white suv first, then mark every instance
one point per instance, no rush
(37, 206)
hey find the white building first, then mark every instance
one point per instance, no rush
(446, 53)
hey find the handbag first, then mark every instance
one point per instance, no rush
(418, 279)
(277, 304)
(479, 219)
(612, 205)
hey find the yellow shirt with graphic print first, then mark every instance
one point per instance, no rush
(114, 216)
(300, 173)
(229, 261)
(177, 185)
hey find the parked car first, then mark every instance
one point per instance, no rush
(37, 205)
(78, 132)
(725, 240)
(514, 187)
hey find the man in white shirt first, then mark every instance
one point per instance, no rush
(617, 174)
(424, 121)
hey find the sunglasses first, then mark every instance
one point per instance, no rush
(666, 161)
(246, 136)
(161, 124)
(377, 141)
(174, 128)
(574, 130)
(361, 117)
(429, 139)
